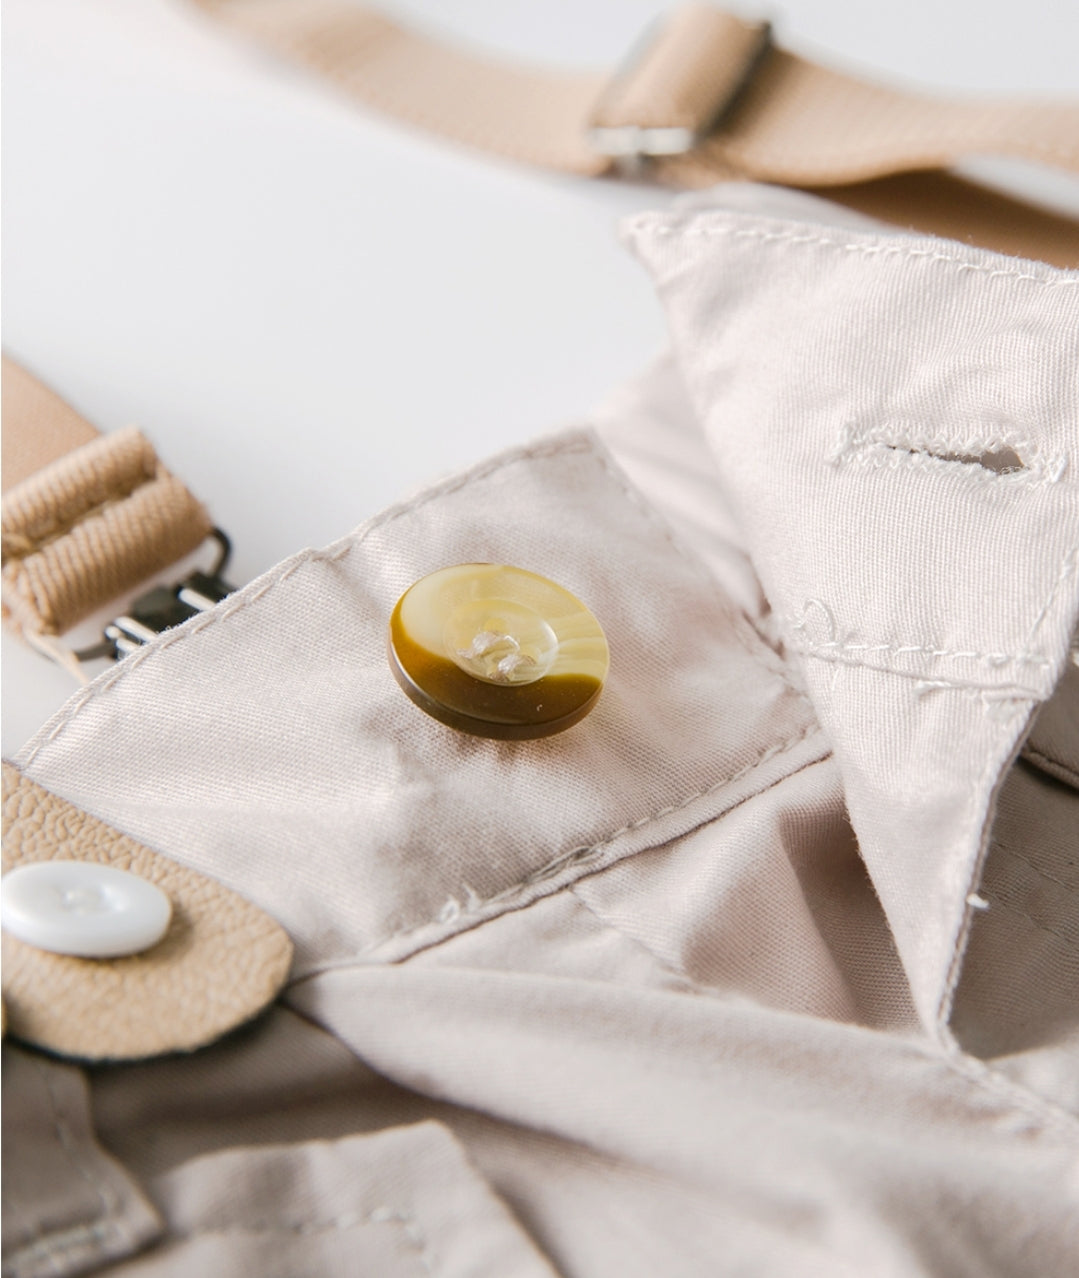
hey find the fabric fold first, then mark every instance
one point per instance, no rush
(894, 423)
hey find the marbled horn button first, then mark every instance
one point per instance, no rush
(497, 651)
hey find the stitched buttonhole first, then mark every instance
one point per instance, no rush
(1001, 461)
(992, 456)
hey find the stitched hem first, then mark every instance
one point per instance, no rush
(664, 225)
(997, 767)
(405, 1221)
(585, 443)
(1054, 767)
(244, 598)
(587, 859)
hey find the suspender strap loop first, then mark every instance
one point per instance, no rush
(88, 524)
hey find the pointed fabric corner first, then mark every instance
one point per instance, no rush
(894, 419)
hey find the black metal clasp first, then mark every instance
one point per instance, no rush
(163, 607)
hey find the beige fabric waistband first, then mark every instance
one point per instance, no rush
(86, 516)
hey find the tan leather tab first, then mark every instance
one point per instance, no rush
(220, 963)
(39, 426)
(89, 524)
(688, 73)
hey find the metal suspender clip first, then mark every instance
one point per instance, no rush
(677, 85)
(163, 607)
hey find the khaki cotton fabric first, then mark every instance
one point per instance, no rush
(686, 984)
(68, 1207)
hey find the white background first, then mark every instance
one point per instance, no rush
(312, 311)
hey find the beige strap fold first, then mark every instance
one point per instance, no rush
(89, 517)
(785, 119)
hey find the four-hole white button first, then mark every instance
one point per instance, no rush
(83, 909)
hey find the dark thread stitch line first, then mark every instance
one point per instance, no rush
(1001, 847)
(1069, 941)
(1049, 763)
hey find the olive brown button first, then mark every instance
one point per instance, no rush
(497, 651)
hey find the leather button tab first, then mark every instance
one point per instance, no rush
(497, 651)
(83, 909)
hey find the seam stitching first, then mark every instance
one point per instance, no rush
(867, 250)
(914, 649)
(982, 1075)
(56, 1245)
(855, 654)
(988, 692)
(381, 1215)
(1000, 847)
(475, 906)
(331, 554)
(747, 636)
(1048, 762)
(961, 938)
(111, 1218)
(1067, 567)
(1070, 942)
(690, 985)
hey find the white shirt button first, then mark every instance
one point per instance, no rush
(82, 908)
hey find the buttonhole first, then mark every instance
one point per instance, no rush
(1001, 461)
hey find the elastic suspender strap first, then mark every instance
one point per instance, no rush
(88, 517)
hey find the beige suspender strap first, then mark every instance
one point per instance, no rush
(86, 516)
(708, 98)
(39, 427)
